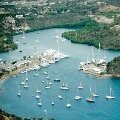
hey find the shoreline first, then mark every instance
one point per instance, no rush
(33, 63)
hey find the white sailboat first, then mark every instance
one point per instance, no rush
(59, 96)
(22, 82)
(38, 89)
(91, 98)
(47, 85)
(48, 78)
(37, 96)
(111, 96)
(23, 35)
(19, 93)
(45, 73)
(94, 94)
(80, 86)
(26, 85)
(50, 83)
(37, 73)
(68, 105)
(40, 102)
(53, 103)
(77, 97)
(57, 79)
(64, 86)
(26, 76)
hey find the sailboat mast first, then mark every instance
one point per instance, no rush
(92, 54)
(99, 52)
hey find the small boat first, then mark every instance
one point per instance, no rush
(59, 96)
(38, 91)
(50, 83)
(64, 87)
(80, 86)
(22, 83)
(47, 87)
(43, 81)
(40, 102)
(57, 79)
(26, 76)
(26, 85)
(111, 96)
(48, 78)
(19, 93)
(77, 97)
(68, 104)
(37, 73)
(45, 73)
(91, 98)
(94, 94)
(37, 96)
(53, 103)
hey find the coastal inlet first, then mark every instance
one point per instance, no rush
(45, 97)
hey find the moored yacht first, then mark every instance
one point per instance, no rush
(57, 79)
(64, 87)
(59, 96)
(111, 95)
(40, 102)
(80, 86)
(68, 105)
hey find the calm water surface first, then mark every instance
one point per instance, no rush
(26, 105)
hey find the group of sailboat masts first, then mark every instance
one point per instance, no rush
(64, 86)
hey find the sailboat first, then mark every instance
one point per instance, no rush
(38, 90)
(26, 76)
(40, 102)
(37, 73)
(22, 82)
(68, 104)
(64, 87)
(26, 85)
(80, 86)
(59, 96)
(111, 96)
(50, 83)
(53, 102)
(23, 35)
(37, 96)
(57, 79)
(47, 86)
(94, 94)
(48, 78)
(45, 73)
(91, 98)
(78, 97)
(19, 93)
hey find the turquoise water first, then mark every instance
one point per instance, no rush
(26, 105)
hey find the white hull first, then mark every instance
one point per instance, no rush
(78, 97)
(68, 105)
(110, 97)
(59, 96)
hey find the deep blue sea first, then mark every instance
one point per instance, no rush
(26, 105)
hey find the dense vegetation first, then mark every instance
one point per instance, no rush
(6, 116)
(113, 67)
(6, 34)
(93, 34)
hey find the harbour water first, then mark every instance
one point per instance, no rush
(26, 105)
